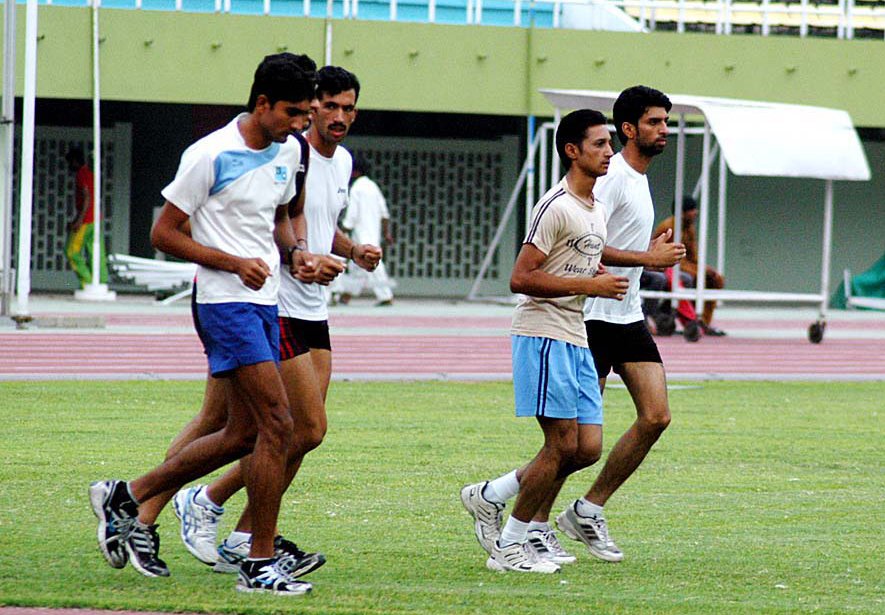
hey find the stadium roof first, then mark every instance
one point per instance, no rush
(761, 138)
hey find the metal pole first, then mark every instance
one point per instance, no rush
(96, 290)
(530, 171)
(26, 190)
(827, 247)
(720, 222)
(8, 141)
(505, 217)
(327, 56)
(677, 199)
(703, 225)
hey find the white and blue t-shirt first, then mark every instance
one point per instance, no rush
(326, 198)
(231, 193)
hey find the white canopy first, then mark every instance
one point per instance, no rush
(760, 138)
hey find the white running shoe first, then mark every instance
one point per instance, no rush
(265, 577)
(592, 531)
(199, 524)
(486, 515)
(518, 557)
(545, 545)
(231, 556)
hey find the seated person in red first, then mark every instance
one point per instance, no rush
(689, 264)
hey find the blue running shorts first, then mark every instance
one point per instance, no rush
(238, 334)
(555, 379)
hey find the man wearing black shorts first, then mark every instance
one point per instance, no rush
(305, 347)
(616, 331)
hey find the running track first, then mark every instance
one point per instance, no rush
(402, 346)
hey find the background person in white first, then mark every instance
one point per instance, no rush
(616, 330)
(235, 187)
(368, 221)
(553, 376)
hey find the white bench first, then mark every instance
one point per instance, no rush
(871, 303)
(155, 275)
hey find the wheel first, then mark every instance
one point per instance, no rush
(691, 331)
(666, 324)
(816, 332)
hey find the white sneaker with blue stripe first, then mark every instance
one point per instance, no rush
(199, 524)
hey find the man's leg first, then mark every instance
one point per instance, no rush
(309, 416)
(511, 551)
(647, 385)
(74, 252)
(715, 281)
(380, 283)
(260, 388)
(212, 417)
(115, 502)
(322, 367)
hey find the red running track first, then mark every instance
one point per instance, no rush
(116, 355)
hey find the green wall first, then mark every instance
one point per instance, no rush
(153, 56)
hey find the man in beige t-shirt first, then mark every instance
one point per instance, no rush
(554, 378)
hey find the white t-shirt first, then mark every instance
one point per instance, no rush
(231, 193)
(365, 210)
(630, 218)
(571, 232)
(326, 197)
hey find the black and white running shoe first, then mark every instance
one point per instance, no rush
(293, 561)
(265, 577)
(143, 547)
(116, 512)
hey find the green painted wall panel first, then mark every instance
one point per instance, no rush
(441, 68)
(423, 67)
(829, 73)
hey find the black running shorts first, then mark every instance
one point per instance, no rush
(300, 336)
(612, 345)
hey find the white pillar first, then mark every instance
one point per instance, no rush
(720, 222)
(827, 248)
(7, 139)
(703, 225)
(679, 192)
(26, 189)
(95, 290)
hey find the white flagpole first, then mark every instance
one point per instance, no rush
(95, 290)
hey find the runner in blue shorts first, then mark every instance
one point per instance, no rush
(554, 378)
(236, 189)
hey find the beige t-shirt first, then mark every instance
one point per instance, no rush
(571, 232)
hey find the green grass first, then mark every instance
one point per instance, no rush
(760, 498)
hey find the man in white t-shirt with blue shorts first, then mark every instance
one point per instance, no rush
(305, 348)
(616, 330)
(554, 379)
(235, 187)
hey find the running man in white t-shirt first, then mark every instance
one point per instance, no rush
(236, 188)
(616, 330)
(367, 219)
(305, 349)
(553, 376)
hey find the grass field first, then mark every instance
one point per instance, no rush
(760, 498)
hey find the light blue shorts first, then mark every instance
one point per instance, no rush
(238, 334)
(555, 379)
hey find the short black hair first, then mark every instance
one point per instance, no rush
(573, 129)
(332, 80)
(283, 76)
(633, 103)
(75, 155)
(688, 203)
(360, 164)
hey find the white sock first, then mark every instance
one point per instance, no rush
(539, 526)
(502, 488)
(237, 538)
(514, 531)
(586, 508)
(202, 498)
